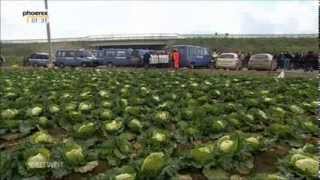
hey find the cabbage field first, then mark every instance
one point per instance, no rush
(126, 125)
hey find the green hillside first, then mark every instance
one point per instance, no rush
(272, 45)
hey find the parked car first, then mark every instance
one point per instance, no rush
(194, 56)
(119, 57)
(263, 61)
(74, 58)
(228, 61)
(37, 59)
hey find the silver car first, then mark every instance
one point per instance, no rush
(228, 61)
(263, 61)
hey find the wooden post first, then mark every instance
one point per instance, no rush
(50, 65)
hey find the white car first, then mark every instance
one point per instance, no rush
(228, 61)
(263, 61)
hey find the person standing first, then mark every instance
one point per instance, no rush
(1, 60)
(286, 62)
(146, 59)
(176, 59)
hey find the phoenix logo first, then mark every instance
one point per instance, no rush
(35, 16)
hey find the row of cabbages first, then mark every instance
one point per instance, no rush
(156, 125)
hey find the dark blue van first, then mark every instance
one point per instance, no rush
(75, 58)
(118, 57)
(194, 56)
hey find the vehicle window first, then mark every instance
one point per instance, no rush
(192, 50)
(226, 56)
(86, 53)
(205, 52)
(78, 53)
(199, 52)
(110, 53)
(260, 57)
(63, 54)
(70, 54)
(195, 51)
(100, 53)
(44, 57)
(33, 56)
(121, 53)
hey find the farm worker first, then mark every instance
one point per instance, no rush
(171, 59)
(146, 59)
(1, 60)
(286, 62)
(176, 59)
(280, 59)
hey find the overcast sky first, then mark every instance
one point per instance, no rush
(84, 18)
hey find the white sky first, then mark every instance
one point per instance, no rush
(83, 18)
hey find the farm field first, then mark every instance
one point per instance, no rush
(126, 125)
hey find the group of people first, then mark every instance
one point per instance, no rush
(308, 61)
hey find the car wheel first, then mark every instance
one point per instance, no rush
(61, 65)
(83, 64)
(192, 66)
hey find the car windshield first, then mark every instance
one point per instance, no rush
(260, 57)
(226, 56)
(86, 54)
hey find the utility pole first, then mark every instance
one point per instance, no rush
(50, 65)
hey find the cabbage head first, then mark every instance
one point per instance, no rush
(218, 126)
(296, 109)
(113, 126)
(310, 126)
(305, 164)
(106, 104)
(35, 111)
(254, 142)
(74, 154)
(104, 94)
(9, 113)
(86, 129)
(153, 164)
(85, 106)
(278, 111)
(43, 121)
(70, 106)
(264, 176)
(159, 136)
(42, 137)
(227, 145)
(106, 114)
(54, 109)
(280, 129)
(125, 176)
(202, 154)
(135, 125)
(39, 159)
(162, 117)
